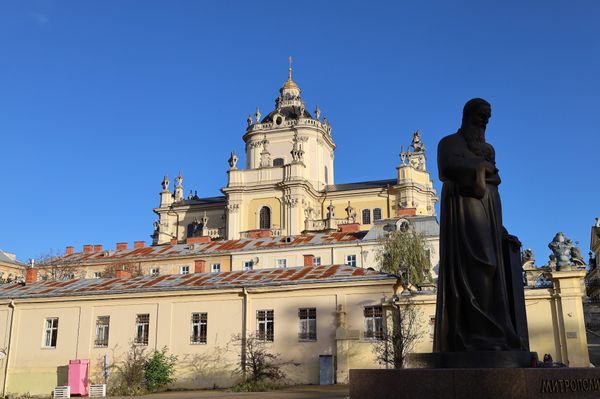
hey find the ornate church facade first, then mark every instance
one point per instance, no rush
(287, 185)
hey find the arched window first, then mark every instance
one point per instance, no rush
(190, 229)
(376, 214)
(265, 217)
(366, 216)
(278, 162)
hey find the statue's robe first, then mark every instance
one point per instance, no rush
(473, 306)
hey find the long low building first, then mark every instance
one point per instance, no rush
(296, 311)
(305, 314)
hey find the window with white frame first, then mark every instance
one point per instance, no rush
(265, 325)
(373, 322)
(142, 329)
(102, 328)
(199, 328)
(366, 216)
(317, 261)
(97, 274)
(155, 272)
(248, 265)
(215, 267)
(51, 332)
(281, 263)
(308, 324)
(351, 260)
(184, 270)
(377, 214)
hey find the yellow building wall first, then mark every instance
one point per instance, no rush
(252, 214)
(37, 370)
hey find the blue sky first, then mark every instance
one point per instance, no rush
(100, 99)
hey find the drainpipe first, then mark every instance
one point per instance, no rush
(244, 330)
(12, 306)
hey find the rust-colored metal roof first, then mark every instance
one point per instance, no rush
(196, 281)
(215, 247)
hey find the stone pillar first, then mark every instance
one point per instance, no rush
(568, 294)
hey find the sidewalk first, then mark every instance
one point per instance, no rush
(297, 392)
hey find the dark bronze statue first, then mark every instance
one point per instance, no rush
(480, 304)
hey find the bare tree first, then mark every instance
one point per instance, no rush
(56, 267)
(110, 270)
(403, 331)
(257, 363)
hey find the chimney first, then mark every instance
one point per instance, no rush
(309, 260)
(31, 275)
(87, 248)
(97, 248)
(199, 266)
(139, 244)
(121, 246)
(69, 250)
(406, 212)
(260, 233)
(194, 240)
(122, 274)
(348, 227)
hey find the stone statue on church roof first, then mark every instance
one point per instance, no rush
(165, 183)
(233, 160)
(257, 115)
(417, 144)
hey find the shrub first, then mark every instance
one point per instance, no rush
(159, 370)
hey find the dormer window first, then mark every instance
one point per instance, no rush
(278, 162)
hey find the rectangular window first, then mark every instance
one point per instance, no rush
(51, 332)
(155, 272)
(377, 214)
(308, 324)
(97, 274)
(248, 265)
(351, 260)
(317, 261)
(281, 263)
(373, 322)
(142, 329)
(366, 216)
(102, 326)
(184, 270)
(215, 268)
(265, 325)
(199, 328)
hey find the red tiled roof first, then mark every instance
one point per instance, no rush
(203, 281)
(216, 247)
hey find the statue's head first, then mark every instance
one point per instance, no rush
(476, 114)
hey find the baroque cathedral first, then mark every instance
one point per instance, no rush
(287, 186)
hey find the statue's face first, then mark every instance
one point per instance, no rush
(480, 116)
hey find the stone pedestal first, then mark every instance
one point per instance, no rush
(469, 360)
(488, 383)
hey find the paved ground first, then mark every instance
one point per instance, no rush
(298, 392)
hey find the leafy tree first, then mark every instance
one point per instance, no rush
(159, 370)
(402, 252)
